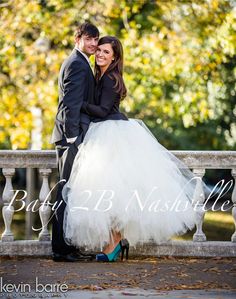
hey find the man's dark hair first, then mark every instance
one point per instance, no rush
(86, 29)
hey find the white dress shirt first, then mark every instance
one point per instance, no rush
(85, 56)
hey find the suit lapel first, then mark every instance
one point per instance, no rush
(92, 81)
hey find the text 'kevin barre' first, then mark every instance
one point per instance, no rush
(28, 288)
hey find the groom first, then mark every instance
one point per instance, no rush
(76, 85)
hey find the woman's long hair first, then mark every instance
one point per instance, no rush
(115, 69)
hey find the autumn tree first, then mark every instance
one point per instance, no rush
(180, 66)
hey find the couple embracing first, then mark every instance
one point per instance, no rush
(108, 161)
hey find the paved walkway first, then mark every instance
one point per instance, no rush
(141, 294)
(133, 294)
(151, 277)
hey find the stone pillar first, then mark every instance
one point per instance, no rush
(233, 172)
(8, 211)
(45, 209)
(30, 188)
(198, 202)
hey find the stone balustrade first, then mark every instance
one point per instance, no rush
(45, 162)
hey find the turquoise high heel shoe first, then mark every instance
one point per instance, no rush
(112, 257)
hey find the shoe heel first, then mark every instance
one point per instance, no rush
(127, 252)
(124, 249)
(122, 253)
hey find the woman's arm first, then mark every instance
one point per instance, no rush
(106, 102)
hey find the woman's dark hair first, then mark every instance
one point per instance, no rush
(115, 69)
(86, 29)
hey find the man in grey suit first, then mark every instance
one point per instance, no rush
(76, 86)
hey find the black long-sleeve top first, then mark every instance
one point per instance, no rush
(107, 102)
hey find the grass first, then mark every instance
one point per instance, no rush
(217, 226)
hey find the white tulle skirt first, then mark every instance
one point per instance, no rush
(124, 179)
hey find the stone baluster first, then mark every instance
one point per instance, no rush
(198, 202)
(233, 172)
(45, 209)
(8, 211)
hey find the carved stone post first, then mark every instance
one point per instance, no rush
(8, 211)
(45, 209)
(198, 202)
(233, 172)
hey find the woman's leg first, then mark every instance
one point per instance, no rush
(114, 240)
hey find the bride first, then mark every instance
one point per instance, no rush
(124, 185)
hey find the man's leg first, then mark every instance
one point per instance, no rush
(65, 158)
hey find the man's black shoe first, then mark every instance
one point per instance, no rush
(70, 257)
(90, 255)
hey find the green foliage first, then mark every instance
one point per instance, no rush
(180, 66)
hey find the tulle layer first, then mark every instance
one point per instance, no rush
(124, 179)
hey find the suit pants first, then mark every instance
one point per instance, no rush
(66, 153)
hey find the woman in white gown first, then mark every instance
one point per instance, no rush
(123, 181)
